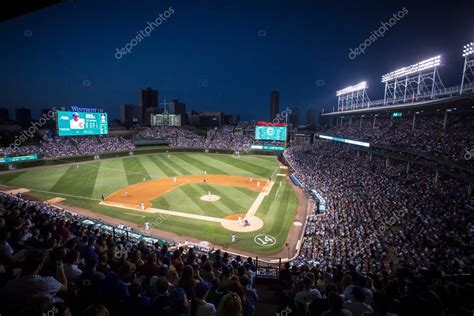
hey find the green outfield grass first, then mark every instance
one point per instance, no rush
(187, 198)
(84, 185)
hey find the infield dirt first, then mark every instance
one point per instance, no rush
(146, 192)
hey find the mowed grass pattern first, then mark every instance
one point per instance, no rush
(187, 199)
(83, 185)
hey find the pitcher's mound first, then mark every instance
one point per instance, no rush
(210, 198)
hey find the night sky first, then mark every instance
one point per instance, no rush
(220, 55)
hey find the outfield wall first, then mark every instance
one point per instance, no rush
(137, 151)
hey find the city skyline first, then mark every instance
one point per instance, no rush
(225, 59)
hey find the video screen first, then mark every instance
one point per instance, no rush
(82, 123)
(270, 133)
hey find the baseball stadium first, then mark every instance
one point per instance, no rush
(236, 158)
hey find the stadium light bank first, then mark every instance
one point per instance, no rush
(430, 63)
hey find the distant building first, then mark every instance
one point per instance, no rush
(274, 104)
(178, 108)
(166, 119)
(301, 138)
(311, 116)
(4, 116)
(149, 112)
(228, 119)
(23, 116)
(130, 115)
(148, 104)
(295, 117)
(206, 119)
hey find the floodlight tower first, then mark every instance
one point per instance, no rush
(353, 97)
(166, 106)
(412, 83)
(467, 81)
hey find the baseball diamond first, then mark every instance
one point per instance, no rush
(171, 192)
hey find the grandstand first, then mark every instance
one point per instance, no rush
(375, 217)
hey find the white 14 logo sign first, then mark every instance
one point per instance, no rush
(265, 240)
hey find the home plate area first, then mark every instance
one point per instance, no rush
(242, 224)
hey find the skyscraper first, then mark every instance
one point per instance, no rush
(130, 114)
(295, 116)
(177, 107)
(311, 116)
(148, 103)
(274, 104)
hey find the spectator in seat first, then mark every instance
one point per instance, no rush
(179, 303)
(335, 306)
(187, 281)
(96, 310)
(230, 305)
(150, 268)
(206, 272)
(380, 306)
(285, 277)
(306, 296)
(30, 284)
(250, 293)
(319, 305)
(90, 283)
(177, 261)
(162, 302)
(199, 306)
(71, 266)
(357, 306)
(136, 303)
(116, 285)
(215, 294)
(248, 307)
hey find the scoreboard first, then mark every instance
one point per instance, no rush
(270, 133)
(82, 123)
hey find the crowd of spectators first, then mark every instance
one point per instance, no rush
(343, 290)
(167, 132)
(222, 137)
(51, 263)
(237, 142)
(390, 234)
(73, 146)
(373, 208)
(426, 135)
